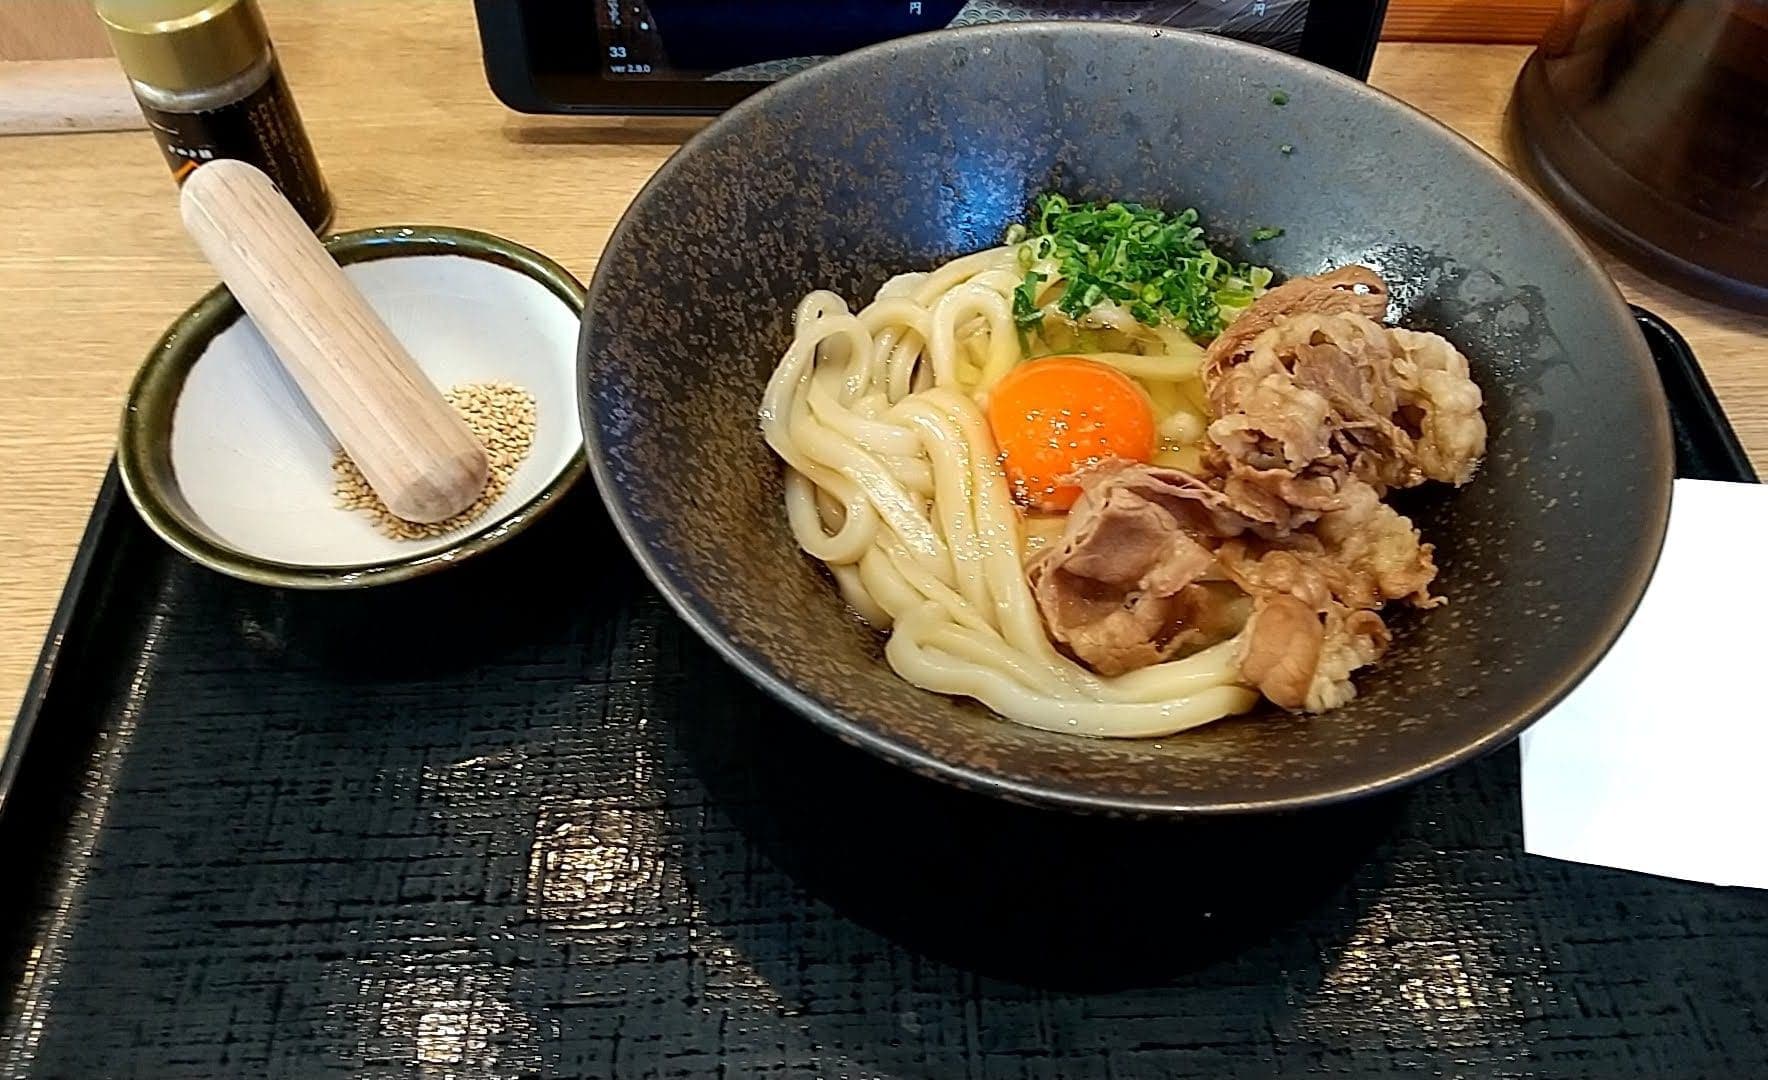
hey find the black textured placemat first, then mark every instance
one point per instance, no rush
(516, 820)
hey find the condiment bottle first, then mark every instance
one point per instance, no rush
(209, 84)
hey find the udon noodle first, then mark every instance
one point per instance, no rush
(893, 482)
(1104, 482)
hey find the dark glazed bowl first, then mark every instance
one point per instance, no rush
(906, 154)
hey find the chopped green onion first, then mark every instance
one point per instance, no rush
(1280, 98)
(1157, 265)
(1025, 309)
(1266, 233)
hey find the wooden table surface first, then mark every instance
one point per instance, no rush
(94, 263)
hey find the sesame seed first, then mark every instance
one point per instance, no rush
(500, 415)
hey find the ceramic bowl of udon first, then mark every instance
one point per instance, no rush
(908, 154)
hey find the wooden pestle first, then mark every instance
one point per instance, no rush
(412, 447)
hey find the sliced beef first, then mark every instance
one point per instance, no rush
(1282, 649)
(1320, 399)
(1318, 411)
(1362, 556)
(1127, 585)
(1349, 288)
(1302, 659)
(1152, 560)
(1441, 403)
(1351, 640)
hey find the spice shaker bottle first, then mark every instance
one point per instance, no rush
(210, 86)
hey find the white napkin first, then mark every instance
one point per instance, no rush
(1658, 761)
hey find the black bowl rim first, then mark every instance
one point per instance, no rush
(1657, 455)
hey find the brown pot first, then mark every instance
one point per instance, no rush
(1647, 122)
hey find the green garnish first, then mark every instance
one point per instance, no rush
(1025, 309)
(1280, 98)
(1266, 233)
(1154, 265)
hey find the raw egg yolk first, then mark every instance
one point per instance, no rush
(1054, 417)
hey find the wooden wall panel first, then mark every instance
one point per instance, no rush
(1515, 22)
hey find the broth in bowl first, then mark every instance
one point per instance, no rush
(1216, 453)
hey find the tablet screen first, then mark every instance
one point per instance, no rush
(761, 42)
(703, 55)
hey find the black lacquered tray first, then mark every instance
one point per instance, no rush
(515, 820)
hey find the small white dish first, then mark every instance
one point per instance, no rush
(225, 460)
